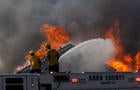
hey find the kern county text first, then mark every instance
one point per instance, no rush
(106, 79)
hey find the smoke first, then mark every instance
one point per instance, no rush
(20, 21)
(88, 56)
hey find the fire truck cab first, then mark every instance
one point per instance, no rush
(71, 81)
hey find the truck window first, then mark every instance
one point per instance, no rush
(14, 84)
(14, 80)
(14, 87)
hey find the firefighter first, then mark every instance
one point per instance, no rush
(52, 58)
(35, 63)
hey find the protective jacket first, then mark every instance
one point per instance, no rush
(35, 63)
(52, 57)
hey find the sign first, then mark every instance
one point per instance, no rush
(106, 77)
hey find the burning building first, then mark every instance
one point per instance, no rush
(95, 55)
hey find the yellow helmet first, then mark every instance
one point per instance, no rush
(31, 52)
(48, 45)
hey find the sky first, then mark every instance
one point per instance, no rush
(21, 20)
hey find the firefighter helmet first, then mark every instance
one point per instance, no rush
(31, 52)
(48, 45)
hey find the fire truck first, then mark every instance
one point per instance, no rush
(71, 81)
(109, 80)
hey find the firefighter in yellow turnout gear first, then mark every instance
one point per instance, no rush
(35, 63)
(52, 57)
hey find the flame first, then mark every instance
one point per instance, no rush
(114, 34)
(117, 64)
(137, 61)
(121, 62)
(54, 35)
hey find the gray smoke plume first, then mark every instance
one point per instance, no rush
(88, 56)
(20, 21)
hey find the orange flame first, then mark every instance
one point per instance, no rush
(114, 34)
(54, 35)
(121, 62)
(137, 61)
